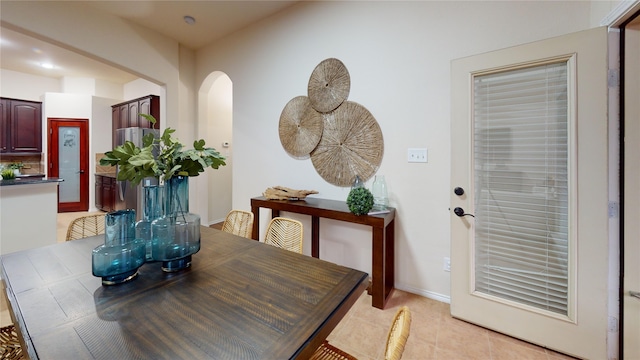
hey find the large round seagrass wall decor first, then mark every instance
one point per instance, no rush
(329, 85)
(351, 145)
(300, 127)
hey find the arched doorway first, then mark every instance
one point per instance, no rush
(215, 119)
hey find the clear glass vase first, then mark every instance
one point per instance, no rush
(152, 209)
(176, 235)
(119, 259)
(357, 182)
(379, 191)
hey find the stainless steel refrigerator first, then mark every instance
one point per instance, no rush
(129, 196)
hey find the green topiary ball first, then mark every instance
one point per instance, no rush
(360, 201)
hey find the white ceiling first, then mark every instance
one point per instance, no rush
(214, 19)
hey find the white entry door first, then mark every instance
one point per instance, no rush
(529, 226)
(631, 287)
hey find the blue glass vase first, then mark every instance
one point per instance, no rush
(176, 235)
(152, 209)
(118, 260)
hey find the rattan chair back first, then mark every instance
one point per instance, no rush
(85, 226)
(398, 334)
(10, 348)
(327, 351)
(396, 340)
(239, 222)
(285, 233)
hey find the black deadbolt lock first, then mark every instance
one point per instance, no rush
(458, 191)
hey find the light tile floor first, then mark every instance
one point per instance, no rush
(434, 333)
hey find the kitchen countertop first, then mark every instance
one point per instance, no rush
(111, 175)
(29, 180)
(30, 175)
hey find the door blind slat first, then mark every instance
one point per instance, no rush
(521, 181)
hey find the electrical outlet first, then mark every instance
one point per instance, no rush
(447, 264)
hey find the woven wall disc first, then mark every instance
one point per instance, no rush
(329, 85)
(300, 127)
(351, 145)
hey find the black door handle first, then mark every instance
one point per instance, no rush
(460, 212)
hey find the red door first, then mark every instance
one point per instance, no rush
(68, 158)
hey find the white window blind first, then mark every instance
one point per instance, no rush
(521, 187)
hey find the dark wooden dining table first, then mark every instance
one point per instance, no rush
(240, 299)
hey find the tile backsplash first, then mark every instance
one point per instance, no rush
(33, 164)
(103, 169)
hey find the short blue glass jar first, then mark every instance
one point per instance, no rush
(118, 260)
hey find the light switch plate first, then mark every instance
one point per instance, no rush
(418, 155)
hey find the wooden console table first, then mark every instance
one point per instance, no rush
(382, 242)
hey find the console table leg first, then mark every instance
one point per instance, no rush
(389, 261)
(256, 222)
(383, 242)
(378, 256)
(315, 237)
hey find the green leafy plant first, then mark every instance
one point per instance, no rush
(16, 166)
(7, 174)
(360, 200)
(172, 158)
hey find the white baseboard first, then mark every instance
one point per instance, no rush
(427, 294)
(215, 222)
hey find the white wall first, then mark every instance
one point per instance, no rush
(78, 85)
(100, 125)
(140, 87)
(100, 130)
(23, 86)
(18, 85)
(108, 89)
(398, 55)
(133, 48)
(219, 130)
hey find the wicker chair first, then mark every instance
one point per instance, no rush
(10, 348)
(239, 223)
(285, 233)
(85, 226)
(396, 339)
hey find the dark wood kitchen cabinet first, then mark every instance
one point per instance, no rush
(125, 114)
(4, 126)
(105, 193)
(21, 126)
(132, 109)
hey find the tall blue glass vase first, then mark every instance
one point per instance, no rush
(119, 259)
(176, 235)
(152, 209)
